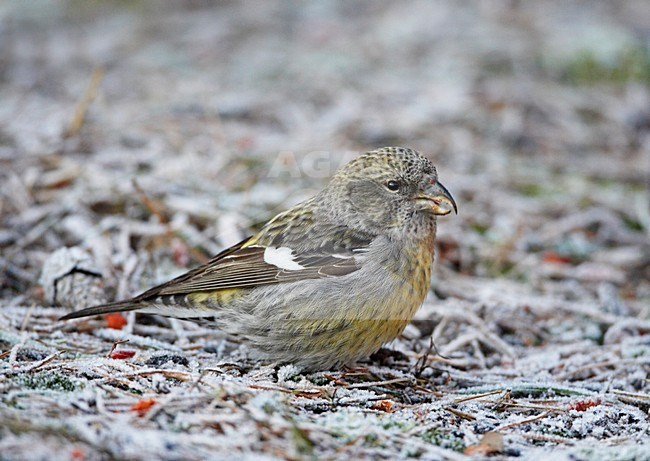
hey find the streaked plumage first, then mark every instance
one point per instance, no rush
(331, 279)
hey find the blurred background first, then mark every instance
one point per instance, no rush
(149, 135)
(165, 129)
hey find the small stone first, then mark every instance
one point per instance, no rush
(71, 278)
(160, 359)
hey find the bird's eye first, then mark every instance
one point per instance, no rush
(392, 186)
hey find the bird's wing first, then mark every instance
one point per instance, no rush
(248, 265)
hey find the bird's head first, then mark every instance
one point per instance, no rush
(391, 189)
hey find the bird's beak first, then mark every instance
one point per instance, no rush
(438, 199)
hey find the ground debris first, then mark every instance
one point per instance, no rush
(154, 148)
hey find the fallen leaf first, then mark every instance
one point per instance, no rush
(556, 258)
(383, 405)
(122, 354)
(115, 321)
(491, 443)
(584, 405)
(77, 454)
(142, 406)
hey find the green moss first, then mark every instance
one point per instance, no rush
(372, 440)
(530, 189)
(632, 224)
(498, 267)
(301, 441)
(632, 63)
(479, 228)
(452, 440)
(403, 426)
(46, 380)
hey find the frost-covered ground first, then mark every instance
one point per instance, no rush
(148, 136)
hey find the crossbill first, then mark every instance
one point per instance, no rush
(328, 281)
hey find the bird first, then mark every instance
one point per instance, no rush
(327, 282)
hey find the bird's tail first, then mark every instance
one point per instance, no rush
(119, 306)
